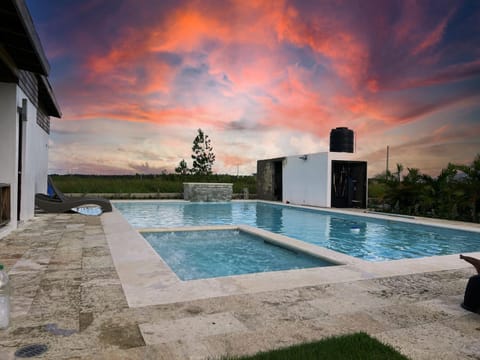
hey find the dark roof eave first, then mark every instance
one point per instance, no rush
(47, 98)
(27, 23)
(274, 159)
(7, 67)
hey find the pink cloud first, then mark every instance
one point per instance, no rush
(230, 160)
(330, 38)
(451, 73)
(434, 36)
(288, 67)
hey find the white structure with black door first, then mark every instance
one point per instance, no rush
(327, 179)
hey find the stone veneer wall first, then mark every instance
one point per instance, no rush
(265, 175)
(207, 191)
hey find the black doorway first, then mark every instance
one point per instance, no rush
(22, 117)
(278, 181)
(349, 184)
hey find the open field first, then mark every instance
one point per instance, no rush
(168, 183)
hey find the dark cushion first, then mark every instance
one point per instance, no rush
(471, 300)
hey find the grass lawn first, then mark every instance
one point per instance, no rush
(353, 346)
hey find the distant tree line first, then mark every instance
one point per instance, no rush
(454, 194)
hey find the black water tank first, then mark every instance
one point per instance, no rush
(341, 140)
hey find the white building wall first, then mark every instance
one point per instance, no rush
(308, 182)
(8, 148)
(34, 157)
(40, 146)
(305, 181)
(35, 160)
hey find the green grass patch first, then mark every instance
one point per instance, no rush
(353, 346)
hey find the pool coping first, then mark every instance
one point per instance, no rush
(147, 280)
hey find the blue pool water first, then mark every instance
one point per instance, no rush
(365, 238)
(206, 254)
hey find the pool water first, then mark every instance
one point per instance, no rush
(361, 237)
(214, 253)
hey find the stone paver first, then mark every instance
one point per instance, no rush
(67, 294)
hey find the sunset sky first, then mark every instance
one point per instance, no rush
(135, 79)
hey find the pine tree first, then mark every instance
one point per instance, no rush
(182, 168)
(203, 156)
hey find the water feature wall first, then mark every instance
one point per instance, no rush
(207, 191)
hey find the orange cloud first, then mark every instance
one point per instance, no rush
(362, 107)
(131, 67)
(248, 51)
(277, 70)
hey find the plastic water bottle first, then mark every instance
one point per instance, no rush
(4, 299)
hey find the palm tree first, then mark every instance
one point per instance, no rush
(427, 197)
(454, 194)
(470, 184)
(446, 193)
(399, 171)
(411, 190)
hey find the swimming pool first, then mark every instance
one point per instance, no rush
(365, 238)
(213, 253)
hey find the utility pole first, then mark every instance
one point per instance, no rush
(388, 154)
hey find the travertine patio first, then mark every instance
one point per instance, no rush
(68, 295)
